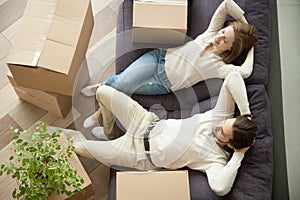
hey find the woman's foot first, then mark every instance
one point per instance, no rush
(98, 132)
(90, 90)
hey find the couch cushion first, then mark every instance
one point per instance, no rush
(183, 99)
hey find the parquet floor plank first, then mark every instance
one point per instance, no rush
(100, 60)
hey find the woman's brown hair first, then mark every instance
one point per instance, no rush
(244, 38)
(243, 131)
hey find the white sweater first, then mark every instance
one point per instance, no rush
(189, 142)
(174, 143)
(184, 65)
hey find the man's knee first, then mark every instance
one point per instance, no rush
(104, 92)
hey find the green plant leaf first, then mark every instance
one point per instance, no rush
(58, 147)
(41, 164)
(14, 137)
(19, 141)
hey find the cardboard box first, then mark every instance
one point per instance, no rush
(159, 22)
(159, 185)
(7, 184)
(51, 44)
(56, 104)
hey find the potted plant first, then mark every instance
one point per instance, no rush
(40, 164)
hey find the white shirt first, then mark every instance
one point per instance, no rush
(184, 65)
(176, 143)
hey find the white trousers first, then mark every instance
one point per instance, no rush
(127, 150)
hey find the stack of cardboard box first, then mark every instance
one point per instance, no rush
(48, 51)
(159, 21)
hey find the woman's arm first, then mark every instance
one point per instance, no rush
(247, 67)
(227, 7)
(244, 70)
(243, 19)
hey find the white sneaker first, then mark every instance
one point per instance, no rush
(90, 90)
(90, 121)
(98, 132)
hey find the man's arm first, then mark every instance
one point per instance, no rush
(233, 91)
(221, 178)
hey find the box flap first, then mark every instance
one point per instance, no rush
(68, 21)
(24, 57)
(29, 41)
(41, 8)
(64, 31)
(56, 57)
(72, 11)
(31, 36)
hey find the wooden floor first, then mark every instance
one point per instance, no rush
(100, 60)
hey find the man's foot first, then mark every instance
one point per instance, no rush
(90, 90)
(98, 132)
(80, 149)
(90, 121)
(78, 139)
(76, 136)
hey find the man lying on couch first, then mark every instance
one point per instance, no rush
(200, 142)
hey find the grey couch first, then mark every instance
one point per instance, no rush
(255, 176)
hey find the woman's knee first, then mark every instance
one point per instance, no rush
(119, 86)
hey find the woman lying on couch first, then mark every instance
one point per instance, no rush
(162, 71)
(200, 142)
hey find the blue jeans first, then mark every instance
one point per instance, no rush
(146, 76)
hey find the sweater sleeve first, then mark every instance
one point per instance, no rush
(227, 7)
(244, 70)
(221, 178)
(233, 91)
